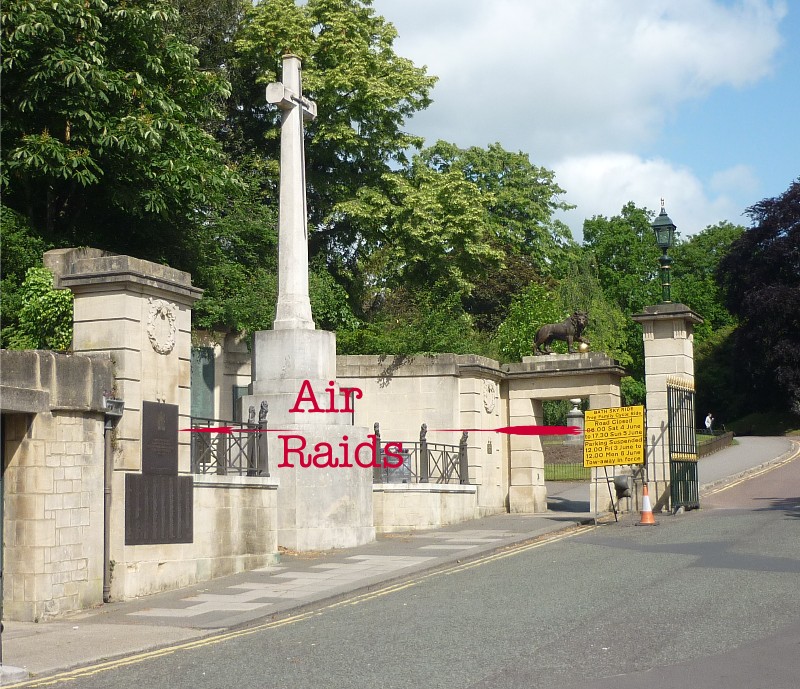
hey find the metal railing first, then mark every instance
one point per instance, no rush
(717, 442)
(421, 461)
(239, 450)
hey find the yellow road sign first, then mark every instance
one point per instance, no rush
(613, 436)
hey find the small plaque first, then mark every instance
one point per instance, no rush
(158, 509)
(159, 439)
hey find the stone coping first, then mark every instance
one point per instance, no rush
(456, 365)
(224, 481)
(667, 311)
(75, 269)
(424, 488)
(400, 365)
(23, 400)
(565, 365)
(40, 380)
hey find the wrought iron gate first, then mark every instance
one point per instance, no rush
(684, 484)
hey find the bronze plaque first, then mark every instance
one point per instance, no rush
(159, 439)
(158, 509)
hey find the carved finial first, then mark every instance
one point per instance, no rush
(251, 415)
(423, 432)
(263, 411)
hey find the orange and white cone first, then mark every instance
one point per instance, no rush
(647, 510)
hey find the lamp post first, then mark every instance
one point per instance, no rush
(664, 230)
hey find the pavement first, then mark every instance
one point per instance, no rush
(302, 581)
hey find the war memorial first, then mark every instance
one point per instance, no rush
(114, 488)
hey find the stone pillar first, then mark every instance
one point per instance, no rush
(667, 331)
(527, 491)
(140, 313)
(575, 418)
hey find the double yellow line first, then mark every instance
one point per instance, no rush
(212, 640)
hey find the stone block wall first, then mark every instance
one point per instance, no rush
(235, 529)
(417, 506)
(53, 483)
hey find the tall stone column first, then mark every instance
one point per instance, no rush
(318, 507)
(668, 334)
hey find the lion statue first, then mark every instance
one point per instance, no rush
(569, 330)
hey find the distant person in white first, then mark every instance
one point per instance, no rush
(709, 422)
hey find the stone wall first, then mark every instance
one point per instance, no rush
(235, 520)
(416, 506)
(53, 482)
(444, 391)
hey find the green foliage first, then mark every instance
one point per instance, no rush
(760, 278)
(521, 200)
(695, 262)
(104, 126)
(625, 253)
(633, 391)
(555, 412)
(626, 257)
(415, 323)
(580, 290)
(435, 230)
(45, 319)
(529, 310)
(21, 250)
(365, 92)
(718, 377)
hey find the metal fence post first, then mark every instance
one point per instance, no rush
(424, 458)
(262, 453)
(252, 443)
(377, 467)
(463, 465)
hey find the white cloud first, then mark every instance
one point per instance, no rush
(601, 184)
(585, 87)
(556, 78)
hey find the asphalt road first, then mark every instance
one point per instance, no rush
(708, 599)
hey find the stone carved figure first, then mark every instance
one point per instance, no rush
(251, 416)
(262, 413)
(569, 330)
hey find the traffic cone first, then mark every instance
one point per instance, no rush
(647, 510)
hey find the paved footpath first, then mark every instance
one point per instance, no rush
(306, 580)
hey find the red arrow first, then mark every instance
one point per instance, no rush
(519, 430)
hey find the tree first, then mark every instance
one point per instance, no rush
(530, 309)
(434, 231)
(626, 255)
(45, 319)
(694, 266)
(104, 127)
(760, 278)
(364, 92)
(21, 250)
(521, 200)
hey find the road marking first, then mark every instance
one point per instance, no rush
(214, 639)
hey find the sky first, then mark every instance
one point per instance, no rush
(693, 101)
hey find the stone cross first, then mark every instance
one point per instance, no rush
(294, 306)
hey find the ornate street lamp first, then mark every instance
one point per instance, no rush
(664, 229)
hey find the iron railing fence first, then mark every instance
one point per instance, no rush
(239, 450)
(422, 461)
(718, 442)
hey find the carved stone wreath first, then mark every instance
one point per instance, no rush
(161, 325)
(489, 396)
